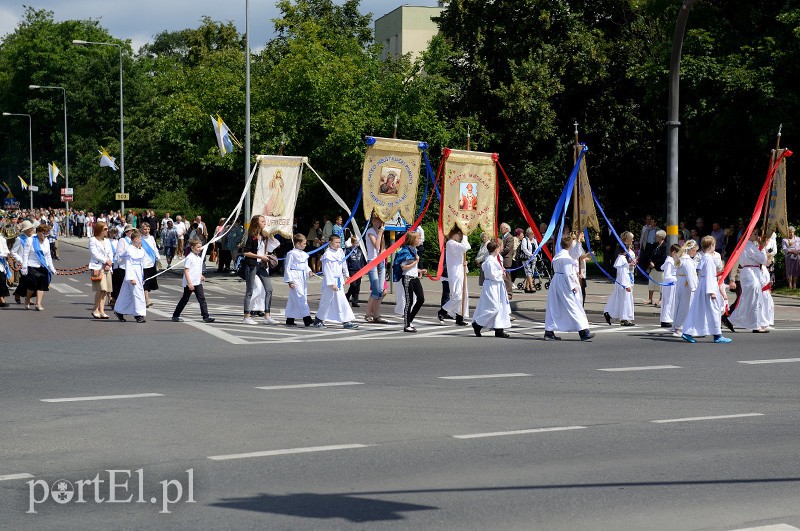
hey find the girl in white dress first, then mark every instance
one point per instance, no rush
(620, 303)
(685, 284)
(668, 292)
(749, 312)
(333, 305)
(704, 314)
(564, 309)
(454, 251)
(130, 300)
(493, 310)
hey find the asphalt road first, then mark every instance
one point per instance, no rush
(530, 435)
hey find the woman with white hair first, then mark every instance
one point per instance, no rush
(791, 252)
(527, 246)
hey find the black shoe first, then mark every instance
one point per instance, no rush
(177, 319)
(307, 320)
(728, 324)
(607, 317)
(585, 334)
(355, 305)
(120, 316)
(460, 320)
(208, 319)
(666, 325)
(140, 319)
(4, 305)
(17, 299)
(627, 323)
(477, 328)
(551, 336)
(290, 322)
(501, 333)
(410, 329)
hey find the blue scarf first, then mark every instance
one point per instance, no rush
(5, 267)
(37, 248)
(149, 250)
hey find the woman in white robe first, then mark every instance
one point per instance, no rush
(333, 305)
(620, 303)
(749, 312)
(131, 300)
(668, 292)
(295, 273)
(564, 309)
(685, 285)
(455, 250)
(493, 310)
(704, 314)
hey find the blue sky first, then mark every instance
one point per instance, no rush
(139, 20)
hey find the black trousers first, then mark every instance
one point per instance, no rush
(353, 290)
(117, 279)
(201, 300)
(79, 230)
(225, 258)
(413, 290)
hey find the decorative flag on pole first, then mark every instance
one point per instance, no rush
(390, 177)
(587, 215)
(52, 173)
(22, 183)
(4, 188)
(276, 191)
(776, 217)
(469, 192)
(225, 138)
(106, 160)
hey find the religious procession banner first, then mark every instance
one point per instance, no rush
(469, 192)
(776, 214)
(587, 215)
(390, 177)
(277, 187)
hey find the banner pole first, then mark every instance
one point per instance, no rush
(772, 156)
(464, 284)
(576, 221)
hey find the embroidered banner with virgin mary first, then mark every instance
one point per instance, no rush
(390, 177)
(276, 191)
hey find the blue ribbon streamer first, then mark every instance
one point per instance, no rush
(559, 211)
(616, 236)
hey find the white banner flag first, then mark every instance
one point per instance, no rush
(276, 191)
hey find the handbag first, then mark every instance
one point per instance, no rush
(272, 261)
(97, 275)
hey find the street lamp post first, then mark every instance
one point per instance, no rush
(66, 150)
(673, 122)
(247, 109)
(30, 144)
(121, 116)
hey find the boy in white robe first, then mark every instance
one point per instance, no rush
(704, 313)
(454, 252)
(620, 303)
(493, 310)
(564, 309)
(749, 312)
(296, 273)
(685, 284)
(131, 300)
(668, 292)
(333, 305)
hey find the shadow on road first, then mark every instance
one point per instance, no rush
(324, 506)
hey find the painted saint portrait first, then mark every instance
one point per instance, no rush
(390, 181)
(469, 196)
(275, 204)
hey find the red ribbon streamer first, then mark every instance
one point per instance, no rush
(734, 258)
(522, 208)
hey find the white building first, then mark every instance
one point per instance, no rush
(407, 29)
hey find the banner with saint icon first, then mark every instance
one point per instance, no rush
(390, 177)
(469, 191)
(776, 202)
(276, 192)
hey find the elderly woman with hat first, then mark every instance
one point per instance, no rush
(37, 265)
(26, 230)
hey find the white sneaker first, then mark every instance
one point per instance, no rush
(269, 321)
(248, 321)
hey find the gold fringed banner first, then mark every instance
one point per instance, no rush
(777, 216)
(469, 192)
(390, 177)
(587, 215)
(276, 191)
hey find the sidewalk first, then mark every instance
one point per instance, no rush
(597, 292)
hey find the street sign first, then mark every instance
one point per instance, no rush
(33, 188)
(66, 191)
(123, 197)
(66, 198)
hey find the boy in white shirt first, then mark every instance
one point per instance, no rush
(333, 305)
(193, 282)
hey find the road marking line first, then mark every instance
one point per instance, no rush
(651, 368)
(73, 280)
(289, 451)
(9, 477)
(773, 527)
(173, 288)
(77, 295)
(205, 328)
(478, 376)
(517, 432)
(64, 288)
(690, 419)
(304, 386)
(106, 397)
(780, 360)
(621, 329)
